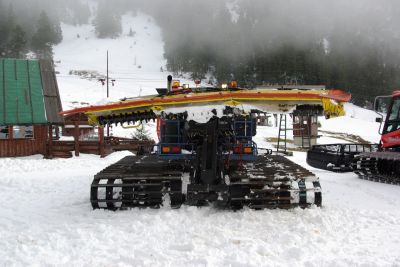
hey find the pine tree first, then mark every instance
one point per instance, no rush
(57, 33)
(141, 134)
(10, 18)
(107, 22)
(6, 28)
(17, 45)
(45, 37)
(3, 30)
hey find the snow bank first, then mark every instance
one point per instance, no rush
(358, 121)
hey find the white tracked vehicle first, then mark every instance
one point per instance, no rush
(211, 161)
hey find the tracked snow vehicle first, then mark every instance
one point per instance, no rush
(384, 165)
(206, 154)
(375, 162)
(337, 157)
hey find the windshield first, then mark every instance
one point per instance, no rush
(393, 120)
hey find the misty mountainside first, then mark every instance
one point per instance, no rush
(135, 62)
(353, 45)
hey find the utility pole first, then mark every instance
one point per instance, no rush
(108, 95)
(107, 80)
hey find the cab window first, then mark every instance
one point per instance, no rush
(393, 121)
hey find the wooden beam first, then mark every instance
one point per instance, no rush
(57, 133)
(78, 122)
(76, 139)
(101, 142)
(10, 132)
(50, 142)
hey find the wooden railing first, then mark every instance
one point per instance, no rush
(67, 148)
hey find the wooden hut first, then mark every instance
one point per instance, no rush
(29, 107)
(305, 127)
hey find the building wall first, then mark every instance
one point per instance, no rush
(25, 147)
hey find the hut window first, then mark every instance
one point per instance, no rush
(23, 132)
(4, 132)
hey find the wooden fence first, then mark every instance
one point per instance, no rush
(21, 148)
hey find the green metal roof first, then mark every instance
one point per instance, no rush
(22, 98)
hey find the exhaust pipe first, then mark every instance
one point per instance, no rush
(169, 84)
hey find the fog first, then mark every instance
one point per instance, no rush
(270, 21)
(341, 43)
(289, 18)
(348, 44)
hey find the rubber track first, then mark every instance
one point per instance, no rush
(276, 182)
(147, 181)
(382, 167)
(137, 182)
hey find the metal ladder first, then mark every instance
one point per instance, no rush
(282, 134)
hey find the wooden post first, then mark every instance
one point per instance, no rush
(101, 142)
(57, 133)
(10, 132)
(50, 142)
(11, 149)
(76, 139)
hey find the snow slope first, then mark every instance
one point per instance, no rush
(134, 62)
(46, 218)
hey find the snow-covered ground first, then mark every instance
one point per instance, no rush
(46, 218)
